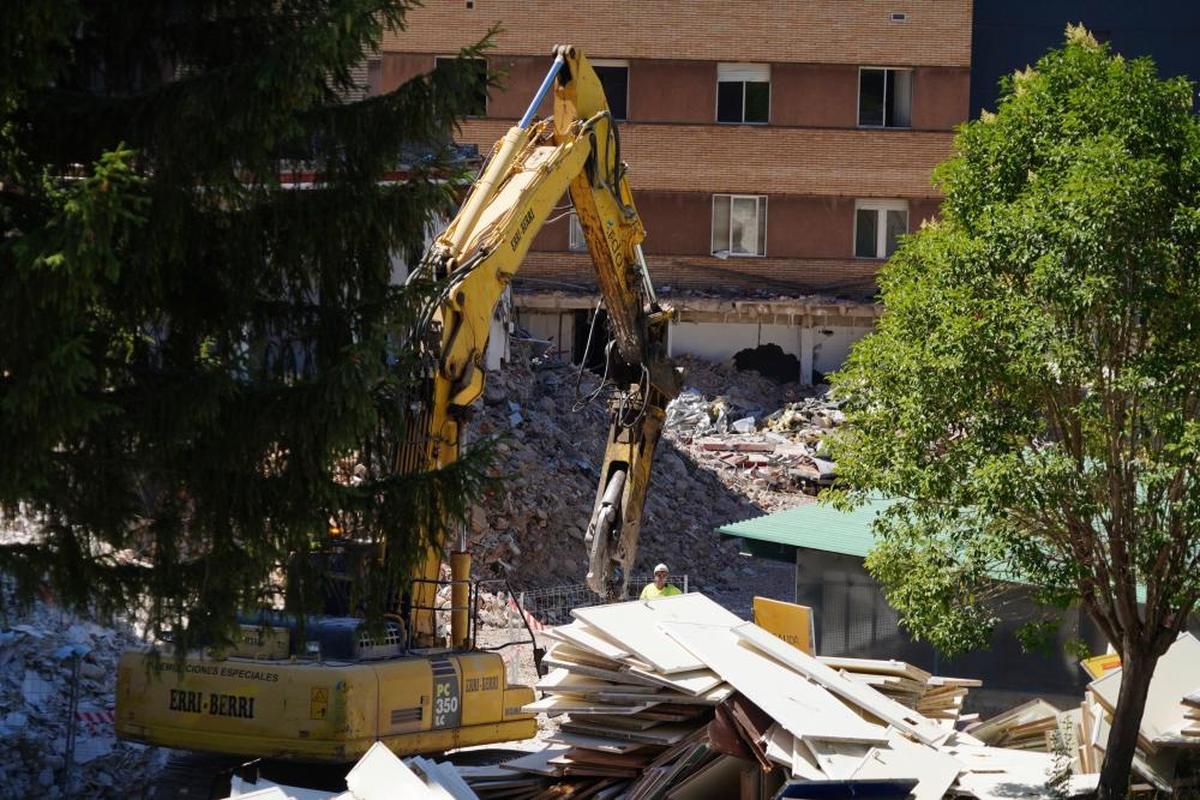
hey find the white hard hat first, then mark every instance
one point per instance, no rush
(661, 568)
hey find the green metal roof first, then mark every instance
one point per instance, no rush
(815, 526)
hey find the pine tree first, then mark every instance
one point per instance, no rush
(203, 362)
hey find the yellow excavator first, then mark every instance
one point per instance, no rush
(331, 696)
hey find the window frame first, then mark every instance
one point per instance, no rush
(573, 225)
(880, 207)
(615, 62)
(858, 98)
(761, 200)
(487, 96)
(743, 81)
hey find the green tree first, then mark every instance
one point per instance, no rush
(204, 361)
(1032, 392)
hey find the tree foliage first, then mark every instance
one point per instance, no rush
(1032, 392)
(204, 360)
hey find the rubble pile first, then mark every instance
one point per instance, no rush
(550, 449)
(38, 651)
(735, 445)
(762, 439)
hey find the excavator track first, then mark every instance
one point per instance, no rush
(206, 776)
(194, 776)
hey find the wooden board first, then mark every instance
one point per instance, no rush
(717, 778)
(599, 743)
(778, 745)
(696, 682)
(866, 698)
(563, 681)
(569, 652)
(804, 763)
(632, 626)
(585, 637)
(661, 734)
(379, 774)
(967, 683)
(565, 703)
(935, 772)
(616, 676)
(838, 760)
(712, 698)
(628, 723)
(877, 666)
(1175, 676)
(801, 707)
(538, 763)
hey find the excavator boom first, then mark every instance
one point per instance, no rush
(576, 151)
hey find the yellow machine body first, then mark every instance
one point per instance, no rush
(429, 700)
(320, 711)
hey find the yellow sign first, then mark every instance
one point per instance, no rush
(1099, 666)
(791, 622)
(318, 702)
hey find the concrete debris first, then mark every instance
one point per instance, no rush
(773, 716)
(37, 656)
(763, 439)
(531, 531)
(706, 473)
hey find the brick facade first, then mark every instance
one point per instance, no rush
(813, 31)
(811, 160)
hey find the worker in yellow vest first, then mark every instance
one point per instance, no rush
(660, 587)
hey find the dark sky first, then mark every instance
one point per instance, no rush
(1009, 34)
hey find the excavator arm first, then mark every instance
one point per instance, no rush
(477, 256)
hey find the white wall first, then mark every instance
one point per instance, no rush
(821, 347)
(549, 325)
(712, 340)
(832, 343)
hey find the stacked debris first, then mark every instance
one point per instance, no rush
(1029, 726)
(1168, 740)
(678, 698)
(934, 697)
(44, 652)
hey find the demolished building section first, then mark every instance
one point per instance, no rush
(735, 445)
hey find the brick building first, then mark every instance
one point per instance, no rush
(775, 150)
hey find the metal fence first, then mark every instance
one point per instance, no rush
(552, 605)
(513, 622)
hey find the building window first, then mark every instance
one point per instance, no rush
(739, 226)
(884, 97)
(744, 93)
(575, 241)
(878, 226)
(474, 76)
(614, 77)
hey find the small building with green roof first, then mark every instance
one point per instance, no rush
(852, 618)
